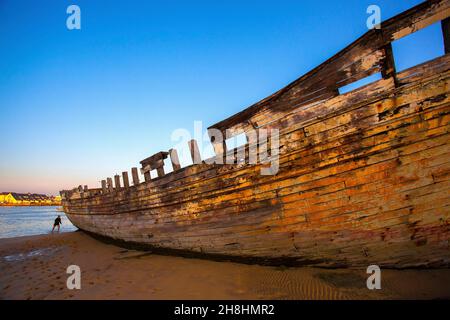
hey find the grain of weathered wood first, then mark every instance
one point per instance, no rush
(109, 184)
(103, 186)
(117, 181)
(174, 159)
(445, 24)
(134, 173)
(195, 152)
(126, 181)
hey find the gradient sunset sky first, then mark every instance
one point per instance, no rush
(77, 106)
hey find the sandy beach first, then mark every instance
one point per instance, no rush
(35, 268)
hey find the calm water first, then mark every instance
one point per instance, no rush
(26, 221)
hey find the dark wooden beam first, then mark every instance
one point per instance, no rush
(445, 24)
(160, 171)
(109, 183)
(117, 181)
(103, 186)
(388, 70)
(147, 176)
(126, 182)
(134, 173)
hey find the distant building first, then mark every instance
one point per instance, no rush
(24, 199)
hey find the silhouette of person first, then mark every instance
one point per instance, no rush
(57, 223)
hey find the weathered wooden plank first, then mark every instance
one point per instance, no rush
(160, 171)
(103, 186)
(174, 159)
(117, 181)
(134, 173)
(195, 152)
(126, 181)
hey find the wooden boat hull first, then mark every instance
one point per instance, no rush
(363, 179)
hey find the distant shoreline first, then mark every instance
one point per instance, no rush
(30, 205)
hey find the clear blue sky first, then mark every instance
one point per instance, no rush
(78, 106)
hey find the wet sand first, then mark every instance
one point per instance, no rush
(35, 268)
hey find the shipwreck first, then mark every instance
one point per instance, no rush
(362, 176)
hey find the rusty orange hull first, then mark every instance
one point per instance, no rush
(363, 177)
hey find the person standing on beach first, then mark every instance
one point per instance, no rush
(57, 223)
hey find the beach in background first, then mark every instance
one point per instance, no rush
(35, 268)
(30, 220)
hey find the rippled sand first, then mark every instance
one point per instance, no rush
(35, 268)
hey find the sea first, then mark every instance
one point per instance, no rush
(27, 221)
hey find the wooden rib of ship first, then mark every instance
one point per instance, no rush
(363, 176)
